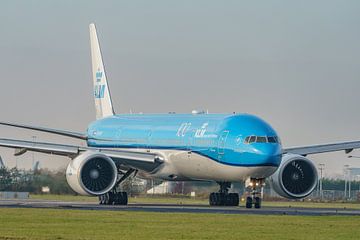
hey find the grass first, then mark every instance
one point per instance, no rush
(335, 205)
(198, 201)
(80, 224)
(66, 198)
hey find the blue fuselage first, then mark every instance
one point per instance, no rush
(231, 139)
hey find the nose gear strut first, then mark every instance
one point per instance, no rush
(256, 185)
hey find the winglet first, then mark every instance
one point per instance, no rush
(103, 103)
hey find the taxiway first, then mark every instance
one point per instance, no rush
(172, 208)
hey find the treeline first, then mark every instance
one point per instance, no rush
(337, 184)
(14, 179)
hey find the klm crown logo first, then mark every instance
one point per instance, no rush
(99, 75)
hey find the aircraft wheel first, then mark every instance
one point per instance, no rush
(257, 203)
(212, 201)
(233, 199)
(124, 198)
(111, 198)
(249, 202)
(101, 199)
(121, 198)
(222, 198)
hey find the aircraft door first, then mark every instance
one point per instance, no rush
(118, 138)
(221, 143)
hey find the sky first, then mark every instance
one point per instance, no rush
(293, 63)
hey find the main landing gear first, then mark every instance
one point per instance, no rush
(114, 197)
(223, 197)
(256, 186)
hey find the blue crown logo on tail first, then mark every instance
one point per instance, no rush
(99, 75)
(99, 91)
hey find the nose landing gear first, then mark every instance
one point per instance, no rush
(223, 197)
(256, 186)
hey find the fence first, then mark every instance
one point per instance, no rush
(14, 195)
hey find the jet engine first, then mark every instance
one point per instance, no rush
(295, 178)
(91, 173)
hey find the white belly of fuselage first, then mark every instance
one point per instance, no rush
(184, 165)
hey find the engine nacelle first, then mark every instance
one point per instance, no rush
(295, 178)
(91, 173)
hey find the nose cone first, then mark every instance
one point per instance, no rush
(267, 154)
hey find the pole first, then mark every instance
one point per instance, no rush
(345, 179)
(152, 186)
(33, 156)
(349, 184)
(321, 168)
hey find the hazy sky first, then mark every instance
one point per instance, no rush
(294, 63)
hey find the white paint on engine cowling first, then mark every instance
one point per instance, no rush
(276, 180)
(73, 173)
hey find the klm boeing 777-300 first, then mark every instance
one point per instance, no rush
(223, 148)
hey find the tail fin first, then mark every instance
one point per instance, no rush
(103, 103)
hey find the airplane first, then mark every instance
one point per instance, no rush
(198, 146)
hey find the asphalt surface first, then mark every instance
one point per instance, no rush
(172, 208)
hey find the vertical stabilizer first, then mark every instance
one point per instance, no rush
(103, 103)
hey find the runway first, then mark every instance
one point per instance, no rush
(171, 208)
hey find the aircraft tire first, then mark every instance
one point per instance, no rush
(257, 203)
(212, 199)
(121, 198)
(249, 202)
(233, 199)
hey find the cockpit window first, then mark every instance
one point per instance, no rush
(252, 139)
(261, 139)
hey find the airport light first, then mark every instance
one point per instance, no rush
(33, 156)
(346, 167)
(350, 183)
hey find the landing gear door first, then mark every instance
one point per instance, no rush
(221, 142)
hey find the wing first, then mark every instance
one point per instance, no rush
(138, 160)
(306, 150)
(47, 130)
